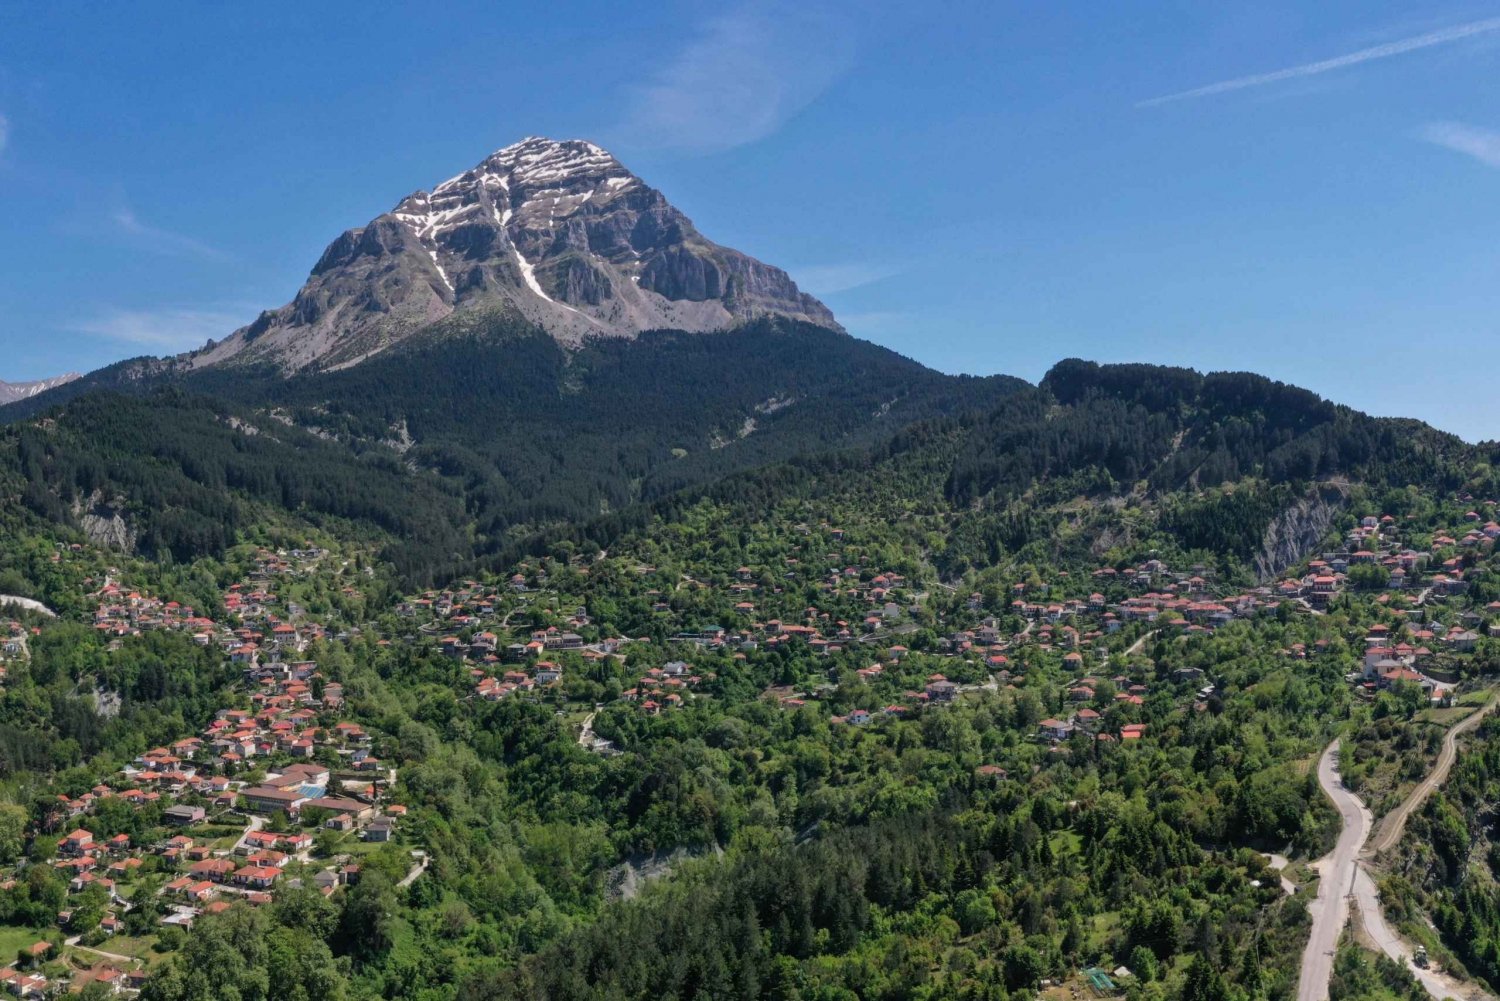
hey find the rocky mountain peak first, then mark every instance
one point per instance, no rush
(558, 231)
(13, 392)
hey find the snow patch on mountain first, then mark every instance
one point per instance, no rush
(13, 392)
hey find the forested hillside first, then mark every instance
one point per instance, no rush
(1168, 429)
(947, 709)
(177, 477)
(469, 440)
(477, 446)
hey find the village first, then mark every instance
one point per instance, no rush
(1072, 624)
(281, 790)
(278, 792)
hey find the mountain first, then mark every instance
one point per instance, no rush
(13, 392)
(558, 233)
(522, 350)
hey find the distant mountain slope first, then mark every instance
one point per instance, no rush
(13, 392)
(177, 476)
(1230, 463)
(516, 439)
(130, 375)
(1173, 428)
(529, 433)
(560, 233)
(1234, 467)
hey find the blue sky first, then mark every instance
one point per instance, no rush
(1304, 190)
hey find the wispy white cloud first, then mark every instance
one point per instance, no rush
(744, 75)
(162, 241)
(830, 279)
(169, 328)
(1385, 51)
(1482, 144)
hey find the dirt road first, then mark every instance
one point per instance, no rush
(1393, 824)
(418, 867)
(1136, 646)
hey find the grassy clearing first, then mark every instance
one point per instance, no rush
(137, 947)
(13, 938)
(1444, 717)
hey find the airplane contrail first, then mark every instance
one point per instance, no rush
(1385, 51)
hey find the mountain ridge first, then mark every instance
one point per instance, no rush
(532, 432)
(588, 442)
(14, 392)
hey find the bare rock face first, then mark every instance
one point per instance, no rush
(1299, 530)
(103, 521)
(559, 232)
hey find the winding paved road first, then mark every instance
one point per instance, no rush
(1343, 878)
(1336, 870)
(1390, 942)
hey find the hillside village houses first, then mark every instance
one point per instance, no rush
(506, 662)
(1057, 616)
(658, 688)
(251, 604)
(1410, 653)
(306, 766)
(14, 638)
(203, 774)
